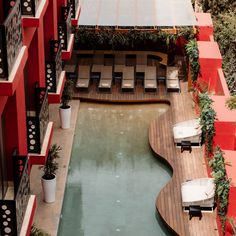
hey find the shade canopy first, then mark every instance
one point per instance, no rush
(136, 13)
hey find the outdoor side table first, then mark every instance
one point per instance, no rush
(195, 210)
(186, 145)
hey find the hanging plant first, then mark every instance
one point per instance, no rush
(93, 38)
(193, 54)
(222, 183)
(207, 120)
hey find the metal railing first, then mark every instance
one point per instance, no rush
(10, 39)
(37, 121)
(64, 27)
(54, 66)
(74, 6)
(12, 212)
(29, 7)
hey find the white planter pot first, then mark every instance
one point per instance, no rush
(65, 114)
(49, 189)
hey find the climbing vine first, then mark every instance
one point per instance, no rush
(207, 120)
(193, 55)
(222, 183)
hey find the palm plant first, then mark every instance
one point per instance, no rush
(67, 93)
(51, 166)
(35, 231)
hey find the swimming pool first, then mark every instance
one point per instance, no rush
(113, 177)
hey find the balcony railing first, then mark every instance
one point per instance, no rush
(10, 39)
(28, 7)
(74, 6)
(54, 66)
(37, 121)
(12, 212)
(64, 27)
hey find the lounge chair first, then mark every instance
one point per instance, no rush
(200, 192)
(189, 130)
(150, 79)
(150, 85)
(141, 63)
(150, 72)
(105, 82)
(119, 62)
(83, 77)
(172, 79)
(128, 79)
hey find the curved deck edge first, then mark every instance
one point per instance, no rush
(155, 142)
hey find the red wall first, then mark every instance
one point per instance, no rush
(205, 26)
(225, 135)
(210, 66)
(50, 26)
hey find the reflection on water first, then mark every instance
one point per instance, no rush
(113, 178)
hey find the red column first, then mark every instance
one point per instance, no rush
(210, 61)
(41, 56)
(205, 25)
(21, 118)
(50, 26)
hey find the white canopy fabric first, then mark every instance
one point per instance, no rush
(136, 13)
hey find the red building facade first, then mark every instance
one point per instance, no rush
(210, 61)
(35, 38)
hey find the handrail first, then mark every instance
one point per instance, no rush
(64, 27)
(74, 6)
(11, 39)
(54, 66)
(12, 212)
(37, 124)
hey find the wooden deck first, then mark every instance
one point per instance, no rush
(185, 165)
(117, 96)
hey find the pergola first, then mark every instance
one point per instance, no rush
(137, 14)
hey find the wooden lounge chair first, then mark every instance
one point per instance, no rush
(172, 79)
(83, 77)
(150, 85)
(150, 73)
(105, 82)
(150, 79)
(141, 63)
(119, 62)
(128, 79)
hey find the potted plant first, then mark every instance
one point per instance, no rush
(49, 174)
(65, 108)
(35, 231)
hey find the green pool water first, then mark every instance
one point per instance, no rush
(113, 178)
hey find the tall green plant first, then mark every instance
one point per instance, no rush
(193, 55)
(67, 93)
(35, 231)
(207, 120)
(51, 166)
(222, 183)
